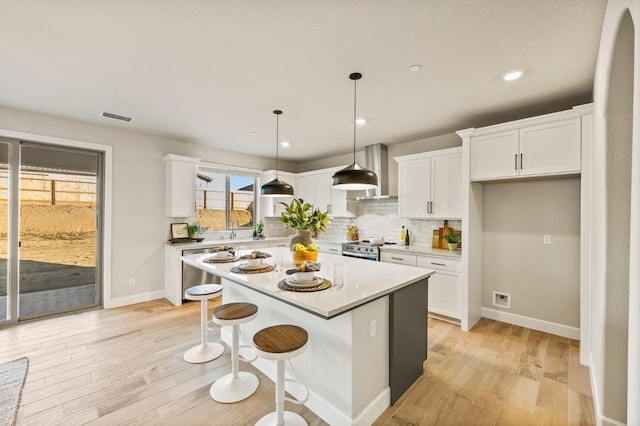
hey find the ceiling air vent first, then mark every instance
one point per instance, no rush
(116, 116)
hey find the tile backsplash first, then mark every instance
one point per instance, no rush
(373, 219)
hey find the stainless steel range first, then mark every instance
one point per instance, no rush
(361, 250)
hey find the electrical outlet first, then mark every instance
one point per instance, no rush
(372, 329)
(502, 300)
(546, 239)
(132, 281)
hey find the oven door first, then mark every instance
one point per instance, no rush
(360, 256)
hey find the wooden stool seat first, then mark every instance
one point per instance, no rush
(281, 339)
(234, 311)
(281, 342)
(237, 385)
(205, 351)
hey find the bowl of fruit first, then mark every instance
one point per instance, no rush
(300, 253)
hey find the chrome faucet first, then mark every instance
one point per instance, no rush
(233, 231)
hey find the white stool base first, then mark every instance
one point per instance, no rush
(203, 353)
(290, 418)
(227, 389)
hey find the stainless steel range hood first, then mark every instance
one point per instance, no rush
(377, 160)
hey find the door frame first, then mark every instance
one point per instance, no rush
(105, 246)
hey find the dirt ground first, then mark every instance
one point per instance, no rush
(214, 219)
(63, 234)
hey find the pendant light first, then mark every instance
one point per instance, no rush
(276, 188)
(354, 177)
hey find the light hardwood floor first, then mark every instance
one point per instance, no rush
(124, 366)
(496, 374)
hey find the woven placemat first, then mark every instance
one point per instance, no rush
(325, 284)
(239, 270)
(214, 260)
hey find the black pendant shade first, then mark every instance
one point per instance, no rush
(276, 188)
(354, 177)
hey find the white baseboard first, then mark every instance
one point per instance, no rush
(533, 323)
(133, 299)
(600, 419)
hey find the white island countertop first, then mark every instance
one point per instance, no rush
(364, 281)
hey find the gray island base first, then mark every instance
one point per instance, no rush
(367, 340)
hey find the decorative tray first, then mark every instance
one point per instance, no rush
(323, 284)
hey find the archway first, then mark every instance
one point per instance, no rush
(619, 132)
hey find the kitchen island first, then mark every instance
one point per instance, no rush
(367, 340)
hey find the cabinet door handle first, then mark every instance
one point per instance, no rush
(516, 161)
(521, 165)
(439, 264)
(431, 206)
(397, 258)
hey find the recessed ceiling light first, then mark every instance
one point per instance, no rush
(284, 144)
(512, 75)
(361, 121)
(414, 68)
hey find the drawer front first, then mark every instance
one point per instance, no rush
(404, 259)
(333, 248)
(279, 244)
(441, 263)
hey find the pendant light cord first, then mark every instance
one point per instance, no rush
(355, 82)
(277, 112)
(277, 147)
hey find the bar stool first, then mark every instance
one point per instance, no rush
(281, 342)
(205, 351)
(236, 385)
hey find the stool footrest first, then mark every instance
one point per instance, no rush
(298, 401)
(243, 359)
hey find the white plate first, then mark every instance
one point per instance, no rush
(316, 281)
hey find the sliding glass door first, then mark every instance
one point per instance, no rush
(55, 194)
(5, 208)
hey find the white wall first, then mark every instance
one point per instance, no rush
(543, 280)
(140, 226)
(616, 125)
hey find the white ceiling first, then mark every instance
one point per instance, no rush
(211, 72)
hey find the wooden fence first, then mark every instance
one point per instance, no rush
(208, 199)
(47, 190)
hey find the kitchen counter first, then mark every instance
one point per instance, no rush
(422, 249)
(367, 340)
(213, 243)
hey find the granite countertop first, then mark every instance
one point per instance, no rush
(364, 281)
(422, 249)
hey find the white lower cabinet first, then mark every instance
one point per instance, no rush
(444, 286)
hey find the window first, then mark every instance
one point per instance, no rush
(224, 199)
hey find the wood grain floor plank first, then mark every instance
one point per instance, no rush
(125, 366)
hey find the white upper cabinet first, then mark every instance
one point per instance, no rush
(316, 188)
(270, 206)
(430, 184)
(180, 190)
(550, 148)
